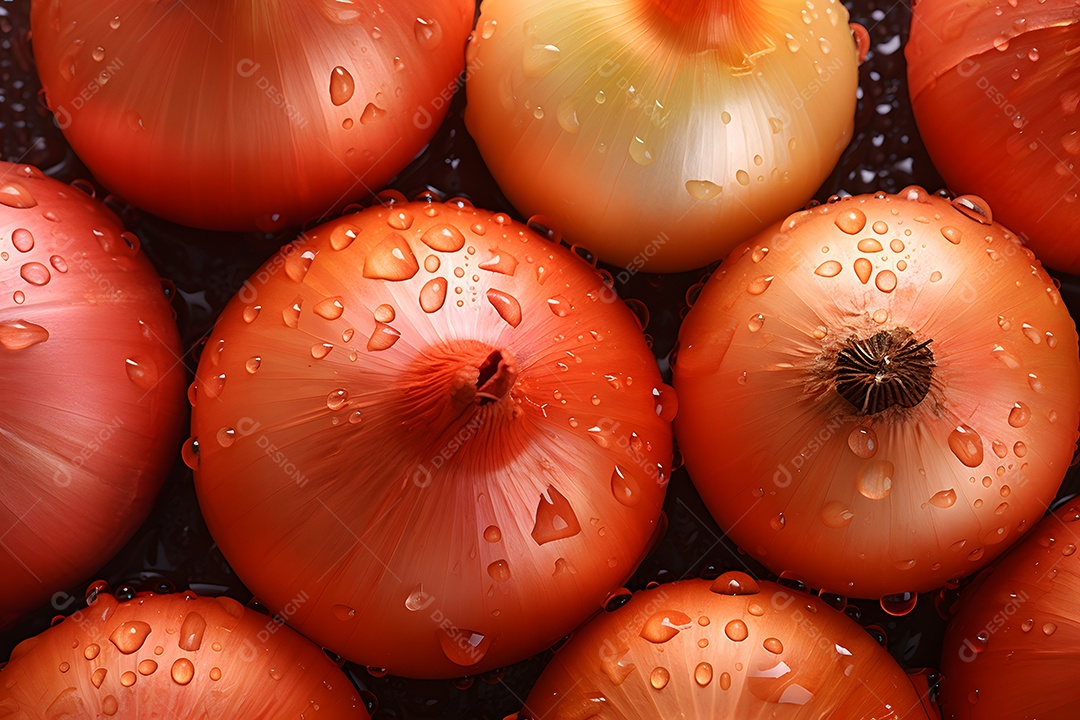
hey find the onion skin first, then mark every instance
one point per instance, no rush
(904, 500)
(1016, 627)
(91, 382)
(178, 656)
(797, 658)
(1014, 71)
(187, 107)
(447, 516)
(716, 118)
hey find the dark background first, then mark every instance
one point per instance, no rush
(174, 547)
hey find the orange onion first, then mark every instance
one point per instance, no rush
(903, 386)
(246, 114)
(92, 386)
(173, 656)
(995, 88)
(733, 648)
(660, 133)
(1016, 627)
(442, 427)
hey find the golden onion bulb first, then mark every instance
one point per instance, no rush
(660, 133)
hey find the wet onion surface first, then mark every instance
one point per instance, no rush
(174, 550)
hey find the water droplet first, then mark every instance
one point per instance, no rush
(944, 499)
(966, 445)
(492, 534)
(128, 679)
(829, 268)
(400, 219)
(130, 636)
(736, 630)
(182, 671)
(863, 269)
(433, 294)
(342, 86)
(640, 152)
(502, 263)
(951, 234)
(899, 604)
(773, 645)
(875, 480)
(851, 221)
(329, 308)
(35, 273)
(836, 514)
(742, 177)
(20, 334)
(253, 363)
(759, 285)
(443, 238)
(777, 522)
(463, 647)
(625, 488)
(975, 208)
(499, 570)
(371, 113)
(337, 399)
(663, 626)
(863, 442)
(735, 583)
(703, 189)
(190, 453)
(506, 305)
(1019, 415)
(22, 239)
(382, 337)
(99, 675)
(539, 59)
(147, 667)
(555, 518)
(885, 281)
(342, 236)
(659, 678)
(14, 195)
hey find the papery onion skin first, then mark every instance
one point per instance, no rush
(1017, 626)
(904, 500)
(752, 650)
(655, 146)
(178, 656)
(92, 387)
(995, 89)
(447, 514)
(248, 115)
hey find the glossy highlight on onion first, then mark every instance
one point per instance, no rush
(729, 648)
(91, 387)
(905, 386)
(995, 89)
(1016, 627)
(443, 427)
(661, 133)
(246, 115)
(174, 656)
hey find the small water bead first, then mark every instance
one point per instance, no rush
(836, 514)
(253, 364)
(863, 442)
(869, 245)
(944, 499)
(967, 445)
(874, 481)
(863, 269)
(828, 269)
(659, 678)
(880, 227)
(736, 630)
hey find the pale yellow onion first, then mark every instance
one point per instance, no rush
(660, 134)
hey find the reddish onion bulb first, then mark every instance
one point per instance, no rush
(1016, 627)
(904, 386)
(243, 114)
(661, 133)
(91, 384)
(445, 429)
(995, 89)
(733, 648)
(177, 656)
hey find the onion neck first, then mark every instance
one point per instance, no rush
(886, 370)
(734, 28)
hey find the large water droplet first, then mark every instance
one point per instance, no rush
(503, 263)
(659, 678)
(975, 208)
(875, 480)
(506, 305)
(433, 294)
(944, 499)
(392, 259)
(703, 189)
(182, 671)
(555, 518)
(329, 308)
(828, 269)
(641, 152)
(443, 238)
(759, 285)
(382, 337)
(428, 33)
(130, 636)
(20, 334)
(191, 632)
(1019, 415)
(22, 239)
(539, 59)
(35, 273)
(836, 514)
(14, 195)
(851, 221)
(463, 647)
(734, 582)
(342, 86)
(663, 626)
(966, 445)
(625, 488)
(142, 372)
(736, 630)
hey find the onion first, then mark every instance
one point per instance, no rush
(247, 114)
(92, 387)
(443, 428)
(733, 648)
(660, 133)
(173, 656)
(903, 386)
(1016, 626)
(995, 88)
